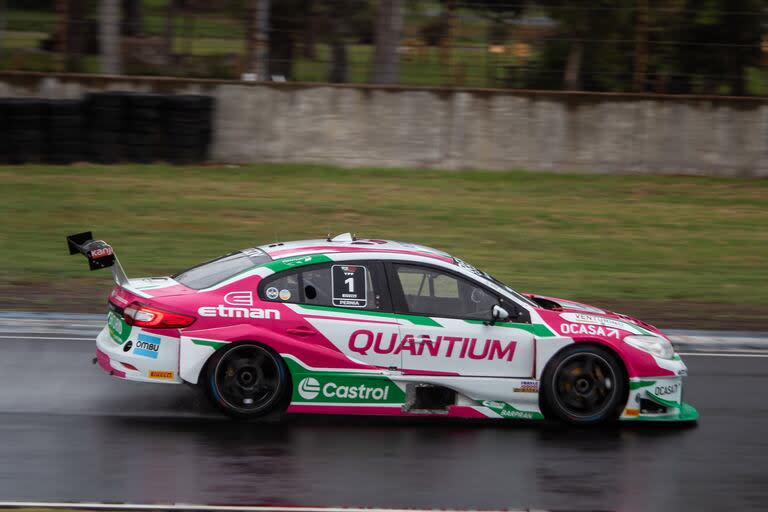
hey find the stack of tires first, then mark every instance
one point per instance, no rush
(106, 127)
(104, 117)
(63, 135)
(189, 126)
(23, 129)
(145, 134)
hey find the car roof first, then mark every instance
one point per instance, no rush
(347, 243)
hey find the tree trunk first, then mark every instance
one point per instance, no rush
(257, 38)
(389, 28)
(109, 37)
(641, 46)
(280, 53)
(78, 32)
(3, 9)
(168, 36)
(309, 45)
(447, 42)
(573, 66)
(251, 22)
(338, 71)
(132, 18)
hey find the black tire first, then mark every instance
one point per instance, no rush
(583, 385)
(248, 381)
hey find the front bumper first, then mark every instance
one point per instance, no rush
(130, 353)
(657, 399)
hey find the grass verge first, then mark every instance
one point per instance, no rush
(609, 239)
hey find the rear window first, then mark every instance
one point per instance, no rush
(215, 271)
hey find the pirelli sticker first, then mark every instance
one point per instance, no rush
(162, 375)
(349, 283)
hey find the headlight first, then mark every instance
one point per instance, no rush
(657, 346)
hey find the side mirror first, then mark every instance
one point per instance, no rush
(498, 314)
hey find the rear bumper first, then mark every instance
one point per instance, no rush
(131, 359)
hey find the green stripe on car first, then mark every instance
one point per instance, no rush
(540, 330)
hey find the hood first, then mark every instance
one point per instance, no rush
(569, 306)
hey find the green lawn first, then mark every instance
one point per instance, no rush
(591, 237)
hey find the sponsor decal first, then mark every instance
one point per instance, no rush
(296, 261)
(631, 412)
(147, 346)
(223, 311)
(159, 374)
(670, 389)
(345, 389)
(128, 346)
(363, 342)
(505, 410)
(271, 293)
(100, 253)
(239, 298)
(115, 324)
(118, 329)
(584, 318)
(527, 386)
(596, 330)
(349, 284)
(285, 294)
(309, 388)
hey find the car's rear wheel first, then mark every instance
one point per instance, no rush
(247, 380)
(584, 385)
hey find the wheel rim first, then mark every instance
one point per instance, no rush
(584, 385)
(247, 378)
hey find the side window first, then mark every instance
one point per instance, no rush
(344, 285)
(283, 289)
(431, 292)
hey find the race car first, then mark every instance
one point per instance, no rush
(347, 325)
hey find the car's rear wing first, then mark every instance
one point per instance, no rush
(99, 253)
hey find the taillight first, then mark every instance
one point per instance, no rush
(142, 315)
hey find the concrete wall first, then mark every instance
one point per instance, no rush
(456, 129)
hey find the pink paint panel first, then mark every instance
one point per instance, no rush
(103, 360)
(325, 248)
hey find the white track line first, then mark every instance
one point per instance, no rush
(182, 506)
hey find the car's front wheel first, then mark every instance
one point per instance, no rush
(247, 380)
(583, 385)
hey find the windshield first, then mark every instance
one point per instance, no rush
(495, 281)
(219, 269)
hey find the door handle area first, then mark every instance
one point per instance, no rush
(301, 331)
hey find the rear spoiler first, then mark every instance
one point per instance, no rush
(99, 253)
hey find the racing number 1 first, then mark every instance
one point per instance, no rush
(349, 283)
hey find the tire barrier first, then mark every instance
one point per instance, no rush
(107, 128)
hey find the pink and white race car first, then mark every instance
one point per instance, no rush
(376, 327)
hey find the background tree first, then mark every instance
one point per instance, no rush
(719, 42)
(389, 30)
(109, 37)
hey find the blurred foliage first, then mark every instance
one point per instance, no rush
(685, 46)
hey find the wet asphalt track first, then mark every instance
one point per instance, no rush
(68, 432)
